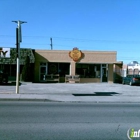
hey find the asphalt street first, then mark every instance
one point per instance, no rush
(20, 120)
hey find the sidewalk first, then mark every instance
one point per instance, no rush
(67, 92)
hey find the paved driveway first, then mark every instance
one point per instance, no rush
(77, 88)
(78, 92)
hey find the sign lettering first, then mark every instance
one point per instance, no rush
(3, 53)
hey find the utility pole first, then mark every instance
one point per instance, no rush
(18, 40)
(51, 44)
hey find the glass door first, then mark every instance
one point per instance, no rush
(104, 72)
(43, 71)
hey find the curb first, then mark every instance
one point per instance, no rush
(76, 101)
(12, 99)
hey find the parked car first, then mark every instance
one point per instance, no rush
(3, 77)
(131, 80)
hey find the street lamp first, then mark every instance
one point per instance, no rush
(18, 40)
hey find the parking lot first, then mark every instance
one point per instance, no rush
(68, 88)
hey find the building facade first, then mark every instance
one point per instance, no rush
(8, 62)
(133, 68)
(92, 66)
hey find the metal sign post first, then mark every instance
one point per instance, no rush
(18, 40)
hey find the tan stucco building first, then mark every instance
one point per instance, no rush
(93, 66)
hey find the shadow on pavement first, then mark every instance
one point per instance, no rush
(98, 94)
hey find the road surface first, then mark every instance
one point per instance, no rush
(22, 120)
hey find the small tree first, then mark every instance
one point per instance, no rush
(26, 71)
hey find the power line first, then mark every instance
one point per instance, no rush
(82, 40)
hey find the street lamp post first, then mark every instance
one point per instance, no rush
(18, 40)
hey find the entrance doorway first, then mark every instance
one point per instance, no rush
(43, 71)
(104, 72)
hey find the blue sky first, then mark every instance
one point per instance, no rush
(96, 25)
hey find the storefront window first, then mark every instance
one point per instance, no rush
(59, 68)
(52, 68)
(64, 69)
(88, 70)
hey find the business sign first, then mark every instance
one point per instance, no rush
(75, 54)
(4, 52)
